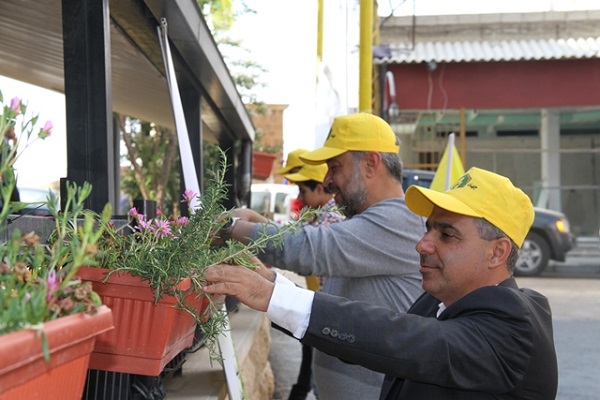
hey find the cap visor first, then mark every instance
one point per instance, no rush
(321, 155)
(283, 170)
(421, 200)
(296, 177)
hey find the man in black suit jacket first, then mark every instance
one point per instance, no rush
(473, 335)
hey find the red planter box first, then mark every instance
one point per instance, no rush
(262, 164)
(24, 374)
(146, 336)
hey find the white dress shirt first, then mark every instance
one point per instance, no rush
(290, 306)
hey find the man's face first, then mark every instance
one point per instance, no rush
(345, 180)
(454, 259)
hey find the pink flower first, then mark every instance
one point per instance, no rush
(181, 221)
(142, 223)
(133, 212)
(188, 196)
(162, 228)
(15, 105)
(46, 130)
(51, 285)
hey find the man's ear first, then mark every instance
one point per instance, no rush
(500, 251)
(372, 162)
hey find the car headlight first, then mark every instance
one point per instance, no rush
(562, 225)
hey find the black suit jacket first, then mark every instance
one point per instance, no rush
(494, 343)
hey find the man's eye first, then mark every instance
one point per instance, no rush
(447, 235)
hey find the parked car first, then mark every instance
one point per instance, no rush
(548, 239)
(273, 200)
(38, 197)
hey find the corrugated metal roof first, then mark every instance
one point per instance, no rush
(500, 50)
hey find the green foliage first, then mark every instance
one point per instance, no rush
(221, 13)
(37, 281)
(163, 260)
(14, 115)
(153, 157)
(246, 73)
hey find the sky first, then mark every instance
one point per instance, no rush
(281, 37)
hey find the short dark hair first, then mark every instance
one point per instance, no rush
(489, 231)
(392, 162)
(312, 185)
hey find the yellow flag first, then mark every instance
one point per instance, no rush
(448, 171)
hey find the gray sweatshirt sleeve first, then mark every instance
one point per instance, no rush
(379, 241)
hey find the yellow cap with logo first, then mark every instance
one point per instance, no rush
(355, 132)
(309, 173)
(483, 194)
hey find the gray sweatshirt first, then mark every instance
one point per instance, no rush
(370, 257)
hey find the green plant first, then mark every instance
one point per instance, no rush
(164, 250)
(260, 145)
(37, 281)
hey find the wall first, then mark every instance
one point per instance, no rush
(269, 127)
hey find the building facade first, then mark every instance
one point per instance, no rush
(521, 91)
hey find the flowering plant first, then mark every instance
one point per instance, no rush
(260, 145)
(37, 281)
(13, 114)
(165, 249)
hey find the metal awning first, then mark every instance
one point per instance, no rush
(488, 50)
(31, 50)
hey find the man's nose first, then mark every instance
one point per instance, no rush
(425, 245)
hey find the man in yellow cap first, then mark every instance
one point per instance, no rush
(474, 334)
(367, 257)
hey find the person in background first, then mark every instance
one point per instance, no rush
(293, 164)
(369, 256)
(474, 334)
(313, 194)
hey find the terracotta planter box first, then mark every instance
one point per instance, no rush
(262, 164)
(24, 374)
(146, 336)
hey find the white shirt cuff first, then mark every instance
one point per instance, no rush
(279, 278)
(290, 307)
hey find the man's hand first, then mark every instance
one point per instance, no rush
(248, 286)
(250, 215)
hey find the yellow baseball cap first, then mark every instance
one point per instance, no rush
(293, 160)
(309, 173)
(483, 194)
(355, 132)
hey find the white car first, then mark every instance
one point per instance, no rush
(38, 197)
(273, 200)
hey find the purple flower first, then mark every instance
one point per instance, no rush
(133, 212)
(15, 105)
(162, 228)
(51, 285)
(188, 196)
(142, 223)
(46, 130)
(181, 221)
